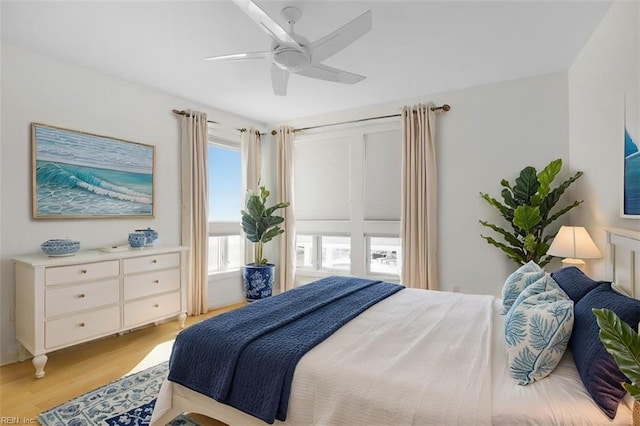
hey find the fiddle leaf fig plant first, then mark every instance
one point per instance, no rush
(623, 343)
(259, 223)
(527, 207)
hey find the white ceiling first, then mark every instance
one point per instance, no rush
(415, 47)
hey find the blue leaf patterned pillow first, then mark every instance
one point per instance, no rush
(524, 276)
(537, 330)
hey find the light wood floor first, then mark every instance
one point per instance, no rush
(73, 371)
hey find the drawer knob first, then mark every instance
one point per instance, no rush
(83, 271)
(156, 305)
(154, 261)
(156, 282)
(81, 324)
(81, 296)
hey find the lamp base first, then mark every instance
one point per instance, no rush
(578, 263)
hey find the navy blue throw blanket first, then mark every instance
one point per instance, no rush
(246, 358)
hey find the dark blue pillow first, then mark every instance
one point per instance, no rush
(574, 282)
(601, 376)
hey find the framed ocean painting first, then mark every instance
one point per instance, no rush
(82, 175)
(631, 167)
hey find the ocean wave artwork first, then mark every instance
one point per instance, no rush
(631, 176)
(84, 175)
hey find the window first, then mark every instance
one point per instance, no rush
(348, 202)
(335, 254)
(323, 253)
(225, 184)
(305, 256)
(225, 253)
(226, 245)
(384, 256)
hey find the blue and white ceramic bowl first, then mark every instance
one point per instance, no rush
(64, 247)
(137, 239)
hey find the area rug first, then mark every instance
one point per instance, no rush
(128, 402)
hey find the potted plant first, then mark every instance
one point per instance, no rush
(527, 208)
(260, 226)
(623, 343)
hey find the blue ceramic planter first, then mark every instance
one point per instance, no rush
(258, 281)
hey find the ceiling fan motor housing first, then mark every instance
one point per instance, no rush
(292, 59)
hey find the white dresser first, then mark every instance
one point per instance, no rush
(63, 301)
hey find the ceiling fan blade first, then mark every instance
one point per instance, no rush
(279, 79)
(241, 56)
(339, 39)
(265, 22)
(324, 72)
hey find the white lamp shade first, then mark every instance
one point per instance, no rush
(574, 242)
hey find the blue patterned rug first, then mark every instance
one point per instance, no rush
(128, 402)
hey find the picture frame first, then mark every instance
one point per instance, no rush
(80, 175)
(630, 200)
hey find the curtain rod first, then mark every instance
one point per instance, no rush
(178, 112)
(444, 108)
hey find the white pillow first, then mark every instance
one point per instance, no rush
(524, 276)
(537, 329)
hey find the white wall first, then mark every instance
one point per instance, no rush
(606, 69)
(491, 133)
(37, 88)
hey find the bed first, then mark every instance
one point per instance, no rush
(421, 357)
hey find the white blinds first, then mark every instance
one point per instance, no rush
(382, 162)
(322, 179)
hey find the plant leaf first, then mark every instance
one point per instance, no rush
(530, 243)
(270, 210)
(508, 237)
(526, 185)
(546, 176)
(511, 252)
(554, 196)
(526, 217)
(622, 342)
(505, 211)
(560, 213)
(634, 391)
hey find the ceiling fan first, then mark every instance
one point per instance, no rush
(292, 53)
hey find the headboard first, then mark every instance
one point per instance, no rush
(623, 257)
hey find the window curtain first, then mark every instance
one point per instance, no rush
(285, 193)
(418, 223)
(194, 209)
(251, 154)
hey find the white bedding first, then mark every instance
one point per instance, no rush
(416, 358)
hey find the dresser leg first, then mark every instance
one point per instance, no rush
(182, 318)
(39, 362)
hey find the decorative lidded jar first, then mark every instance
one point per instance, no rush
(150, 234)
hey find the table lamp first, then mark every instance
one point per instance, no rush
(574, 244)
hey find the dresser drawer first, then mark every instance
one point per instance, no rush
(151, 263)
(142, 285)
(71, 329)
(152, 308)
(80, 297)
(82, 272)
